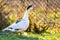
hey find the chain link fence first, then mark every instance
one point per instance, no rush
(45, 14)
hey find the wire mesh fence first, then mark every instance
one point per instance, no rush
(46, 13)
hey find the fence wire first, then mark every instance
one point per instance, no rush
(45, 12)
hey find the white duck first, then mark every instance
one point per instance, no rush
(21, 25)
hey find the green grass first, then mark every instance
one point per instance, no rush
(30, 36)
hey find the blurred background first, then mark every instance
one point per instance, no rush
(45, 16)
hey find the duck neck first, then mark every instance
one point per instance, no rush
(26, 14)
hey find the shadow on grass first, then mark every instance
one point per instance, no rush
(12, 36)
(27, 38)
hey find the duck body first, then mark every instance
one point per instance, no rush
(18, 27)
